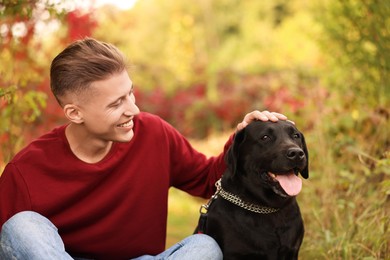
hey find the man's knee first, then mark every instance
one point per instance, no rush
(26, 232)
(208, 248)
(24, 223)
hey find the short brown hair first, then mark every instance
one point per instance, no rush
(83, 62)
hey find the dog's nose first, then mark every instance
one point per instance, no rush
(295, 154)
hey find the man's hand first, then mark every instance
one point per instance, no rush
(263, 116)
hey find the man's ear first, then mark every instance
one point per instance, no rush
(73, 113)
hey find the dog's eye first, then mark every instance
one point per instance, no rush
(296, 136)
(265, 137)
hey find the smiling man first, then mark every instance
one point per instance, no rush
(97, 187)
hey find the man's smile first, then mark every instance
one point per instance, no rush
(126, 124)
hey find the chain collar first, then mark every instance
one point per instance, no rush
(239, 202)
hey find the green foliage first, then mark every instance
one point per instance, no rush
(357, 37)
(26, 8)
(184, 44)
(19, 109)
(23, 72)
(348, 217)
(346, 207)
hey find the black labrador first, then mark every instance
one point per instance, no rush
(254, 213)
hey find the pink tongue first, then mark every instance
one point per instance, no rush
(290, 183)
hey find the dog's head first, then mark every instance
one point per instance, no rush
(269, 156)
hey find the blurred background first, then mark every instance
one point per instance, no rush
(202, 65)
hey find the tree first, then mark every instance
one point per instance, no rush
(26, 50)
(357, 35)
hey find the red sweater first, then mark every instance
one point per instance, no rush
(116, 208)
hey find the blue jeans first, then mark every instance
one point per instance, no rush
(29, 235)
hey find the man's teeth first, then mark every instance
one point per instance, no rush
(125, 124)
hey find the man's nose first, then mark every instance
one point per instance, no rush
(131, 108)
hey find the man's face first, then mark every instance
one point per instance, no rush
(109, 108)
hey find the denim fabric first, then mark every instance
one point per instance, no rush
(194, 247)
(30, 236)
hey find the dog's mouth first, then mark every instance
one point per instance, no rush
(289, 182)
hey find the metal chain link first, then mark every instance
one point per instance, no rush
(238, 201)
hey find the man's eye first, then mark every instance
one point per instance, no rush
(116, 104)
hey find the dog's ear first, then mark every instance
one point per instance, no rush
(305, 171)
(232, 154)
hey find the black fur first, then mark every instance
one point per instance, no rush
(260, 148)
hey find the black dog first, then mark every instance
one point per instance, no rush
(254, 214)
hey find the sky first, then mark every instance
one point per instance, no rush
(87, 4)
(122, 4)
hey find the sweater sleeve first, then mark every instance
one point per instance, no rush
(14, 196)
(192, 171)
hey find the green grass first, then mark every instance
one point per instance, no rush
(182, 217)
(183, 210)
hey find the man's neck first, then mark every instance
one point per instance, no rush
(84, 146)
